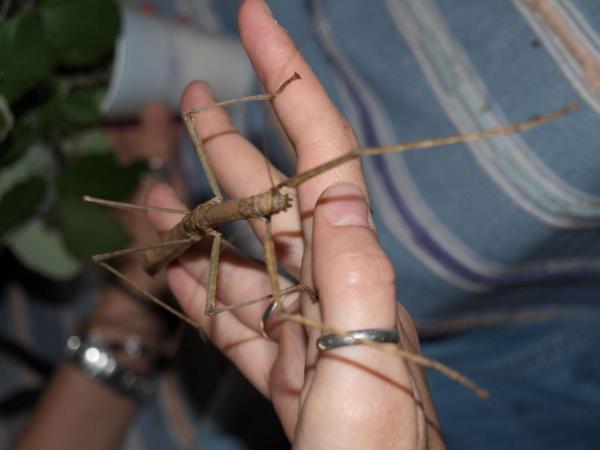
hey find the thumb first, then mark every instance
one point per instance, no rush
(354, 277)
(354, 388)
(162, 195)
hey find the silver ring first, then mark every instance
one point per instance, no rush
(357, 337)
(265, 318)
(273, 305)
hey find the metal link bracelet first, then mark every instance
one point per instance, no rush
(98, 363)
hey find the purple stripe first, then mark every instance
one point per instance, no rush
(418, 233)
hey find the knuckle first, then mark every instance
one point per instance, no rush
(356, 268)
(336, 134)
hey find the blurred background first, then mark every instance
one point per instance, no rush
(76, 78)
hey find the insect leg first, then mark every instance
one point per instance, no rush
(211, 293)
(142, 248)
(144, 293)
(285, 292)
(132, 206)
(271, 263)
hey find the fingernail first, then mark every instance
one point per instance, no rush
(208, 88)
(266, 8)
(345, 204)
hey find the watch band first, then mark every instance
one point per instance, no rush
(99, 364)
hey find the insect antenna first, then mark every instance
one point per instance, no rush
(532, 122)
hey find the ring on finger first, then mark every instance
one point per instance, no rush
(357, 337)
(298, 288)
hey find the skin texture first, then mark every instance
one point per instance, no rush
(353, 397)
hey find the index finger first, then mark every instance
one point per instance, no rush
(313, 123)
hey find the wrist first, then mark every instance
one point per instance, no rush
(92, 356)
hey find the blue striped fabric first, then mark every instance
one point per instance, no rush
(431, 204)
(503, 231)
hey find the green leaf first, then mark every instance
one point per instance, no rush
(7, 120)
(60, 115)
(48, 120)
(21, 202)
(15, 144)
(89, 229)
(36, 160)
(24, 58)
(42, 250)
(87, 142)
(81, 107)
(81, 32)
(99, 175)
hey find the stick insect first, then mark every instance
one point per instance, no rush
(204, 221)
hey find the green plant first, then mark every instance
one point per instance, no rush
(55, 58)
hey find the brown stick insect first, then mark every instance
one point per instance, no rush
(204, 221)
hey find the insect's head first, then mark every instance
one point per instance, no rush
(280, 201)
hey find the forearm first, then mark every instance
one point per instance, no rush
(77, 412)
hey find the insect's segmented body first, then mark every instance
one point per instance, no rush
(207, 216)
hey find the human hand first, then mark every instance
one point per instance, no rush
(352, 397)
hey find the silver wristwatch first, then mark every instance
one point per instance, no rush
(92, 357)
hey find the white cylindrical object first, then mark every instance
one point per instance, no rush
(155, 59)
